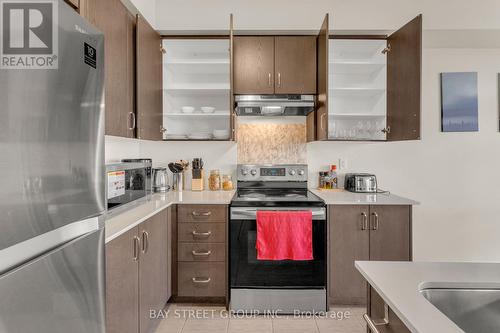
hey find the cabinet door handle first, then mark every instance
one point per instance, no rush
(145, 242)
(201, 254)
(201, 234)
(201, 280)
(322, 121)
(136, 245)
(269, 79)
(375, 223)
(279, 80)
(204, 214)
(132, 117)
(364, 223)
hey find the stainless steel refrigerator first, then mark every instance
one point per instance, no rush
(52, 170)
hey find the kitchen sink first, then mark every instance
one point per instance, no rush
(473, 310)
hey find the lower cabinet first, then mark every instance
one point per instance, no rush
(363, 232)
(122, 283)
(202, 252)
(137, 276)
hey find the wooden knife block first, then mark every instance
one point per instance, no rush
(198, 180)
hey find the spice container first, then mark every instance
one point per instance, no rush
(227, 183)
(323, 177)
(214, 180)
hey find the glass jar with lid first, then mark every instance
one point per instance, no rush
(227, 183)
(214, 181)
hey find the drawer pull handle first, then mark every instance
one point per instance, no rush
(372, 324)
(203, 214)
(201, 234)
(201, 254)
(201, 280)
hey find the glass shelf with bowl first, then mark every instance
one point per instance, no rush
(196, 86)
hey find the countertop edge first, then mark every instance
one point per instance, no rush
(139, 213)
(132, 225)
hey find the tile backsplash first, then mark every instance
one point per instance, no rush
(273, 143)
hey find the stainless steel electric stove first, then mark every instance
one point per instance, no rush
(278, 286)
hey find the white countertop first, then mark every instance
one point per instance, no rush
(399, 284)
(343, 197)
(121, 221)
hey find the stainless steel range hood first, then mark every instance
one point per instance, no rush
(274, 105)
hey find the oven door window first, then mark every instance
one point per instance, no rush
(249, 272)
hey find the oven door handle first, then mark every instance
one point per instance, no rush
(253, 212)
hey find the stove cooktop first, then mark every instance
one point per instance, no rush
(276, 197)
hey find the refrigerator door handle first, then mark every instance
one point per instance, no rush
(22, 252)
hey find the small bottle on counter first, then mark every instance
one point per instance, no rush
(333, 177)
(227, 183)
(214, 181)
(323, 177)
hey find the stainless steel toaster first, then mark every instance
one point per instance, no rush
(360, 183)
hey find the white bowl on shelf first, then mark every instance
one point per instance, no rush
(221, 134)
(187, 109)
(207, 109)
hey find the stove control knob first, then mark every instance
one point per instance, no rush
(244, 172)
(292, 172)
(301, 172)
(253, 172)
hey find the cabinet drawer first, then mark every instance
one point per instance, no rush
(202, 252)
(202, 279)
(202, 232)
(202, 213)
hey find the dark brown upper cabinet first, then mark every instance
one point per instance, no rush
(404, 72)
(295, 64)
(73, 3)
(373, 85)
(118, 27)
(253, 65)
(274, 64)
(320, 122)
(149, 81)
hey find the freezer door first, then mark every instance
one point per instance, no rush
(52, 136)
(60, 292)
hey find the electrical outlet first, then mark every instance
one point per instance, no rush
(342, 163)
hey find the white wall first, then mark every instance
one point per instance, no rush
(453, 175)
(308, 14)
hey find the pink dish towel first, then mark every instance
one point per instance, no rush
(283, 235)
